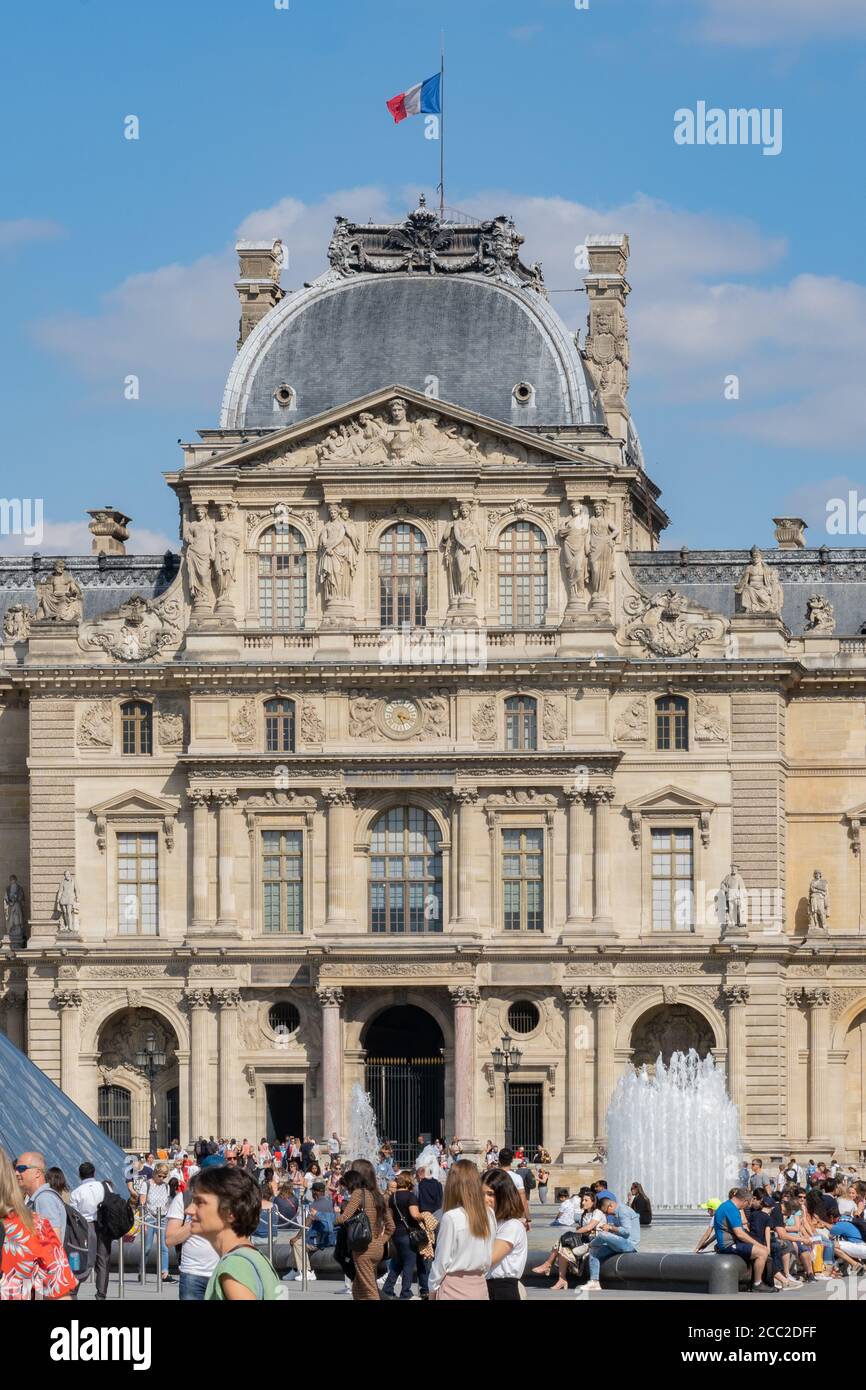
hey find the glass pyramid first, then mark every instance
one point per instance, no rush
(36, 1114)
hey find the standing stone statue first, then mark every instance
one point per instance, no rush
(59, 597)
(461, 547)
(13, 911)
(66, 902)
(573, 536)
(338, 555)
(759, 589)
(819, 902)
(735, 899)
(227, 543)
(200, 549)
(600, 551)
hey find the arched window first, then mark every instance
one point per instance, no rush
(522, 575)
(282, 578)
(136, 724)
(405, 872)
(402, 576)
(280, 726)
(521, 723)
(672, 723)
(115, 1114)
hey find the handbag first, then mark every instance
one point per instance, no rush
(359, 1232)
(418, 1237)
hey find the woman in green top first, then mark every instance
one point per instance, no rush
(225, 1205)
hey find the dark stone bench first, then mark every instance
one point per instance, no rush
(676, 1273)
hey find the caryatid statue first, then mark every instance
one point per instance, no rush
(338, 555)
(198, 533)
(819, 902)
(13, 911)
(734, 899)
(600, 544)
(227, 543)
(573, 536)
(66, 901)
(461, 547)
(759, 588)
(59, 597)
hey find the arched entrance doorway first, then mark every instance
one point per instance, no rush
(666, 1029)
(404, 1073)
(131, 1096)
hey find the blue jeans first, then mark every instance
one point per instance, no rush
(403, 1267)
(149, 1238)
(605, 1245)
(192, 1287)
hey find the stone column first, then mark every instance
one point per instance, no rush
(465, 798)
(331, 1000)
(200, 822)
(341, 823)
(465, 999)
(604, 998)
(602, 797)
(226, 800)
(818, 1004)
(15, 1004)
(68, 1003)
(575, 905)
(228, 1002)
(736, 998)
(576, 1037)
(794, 1127)
(198, 1003)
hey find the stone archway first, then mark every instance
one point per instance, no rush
(669, 1028)
(404, 1073)
(121, 1037)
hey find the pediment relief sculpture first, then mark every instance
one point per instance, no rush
(669, 624)
(58, 597)
(140, 629)
(96, 729)
(820, 618)
(633, 725)
(759, 589)
(710, 727)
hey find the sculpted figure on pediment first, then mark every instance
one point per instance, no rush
(362, 716)
(601, 539)
(227, 543)
(397, 436)
(573, 537)
(759, 589)
(16, 623)
(59, 597)
(461, 546)
(339, 546)
(198, 534)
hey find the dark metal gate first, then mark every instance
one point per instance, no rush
(408, 1096)
(527, 1124)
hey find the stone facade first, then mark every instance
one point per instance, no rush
(424, 718)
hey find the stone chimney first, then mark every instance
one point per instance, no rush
(259, 284)
(606, 347)
(110, 529)
(790, 532)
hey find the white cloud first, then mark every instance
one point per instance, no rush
(74, 538)
(780, 22)
(21, 231)
(525, 33)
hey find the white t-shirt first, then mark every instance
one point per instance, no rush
(847, 1207)
(86, 1198)
(156, 1196)
(566, 1213)
(515, 1178)
(514, 1263)
(197, 1255)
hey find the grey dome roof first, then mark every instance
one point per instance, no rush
(479, 331)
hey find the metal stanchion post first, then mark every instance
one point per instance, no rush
(120, 1292)
(271, 1234)
(159, 1253)
(303, 1250)
(142, 1272)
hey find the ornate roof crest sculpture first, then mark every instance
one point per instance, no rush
(139, 630)
(669, 625)
(424, 244)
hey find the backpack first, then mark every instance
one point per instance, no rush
(359, 1232)
(115, 1215)
(528, 1179)
(76, 1242)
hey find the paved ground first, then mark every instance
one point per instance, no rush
(665, 1234)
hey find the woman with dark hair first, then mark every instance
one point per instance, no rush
(569, 1252)
(510, 1248)
(56, 1179)
(464, 1245)
(360, 1182)
(403, 1202)
(640, 1203)
(225, 1205)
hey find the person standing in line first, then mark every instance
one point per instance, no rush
(198, 1258)
(407, 1219)
(87, 1199)
(510, 1249)
(430, 1191)
(154, 1197)
(364, 1195)
(464, 1244)
(38, 1193)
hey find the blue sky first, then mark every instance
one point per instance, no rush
(117, 255)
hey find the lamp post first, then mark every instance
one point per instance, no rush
(150, 1060)
(507, 1059)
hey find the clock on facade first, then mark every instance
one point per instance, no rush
(401, 717)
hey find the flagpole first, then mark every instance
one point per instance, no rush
(442, 129)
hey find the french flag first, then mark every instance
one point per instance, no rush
(424, 99)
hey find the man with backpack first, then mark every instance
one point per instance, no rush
(108, 1217)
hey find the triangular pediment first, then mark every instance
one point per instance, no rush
(135, 803)
(670, 800)
(395, 427)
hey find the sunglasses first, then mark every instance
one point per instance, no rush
(23, 1167)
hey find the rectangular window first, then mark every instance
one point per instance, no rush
(523, 880)
(672, 880)
(137, 884)
(282, 881)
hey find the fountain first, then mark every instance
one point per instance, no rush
(677, 1133)
(363, 1140)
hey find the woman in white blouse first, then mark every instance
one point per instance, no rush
(511, 1248)
(464, 1241)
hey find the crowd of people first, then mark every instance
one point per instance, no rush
(447, 1227)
